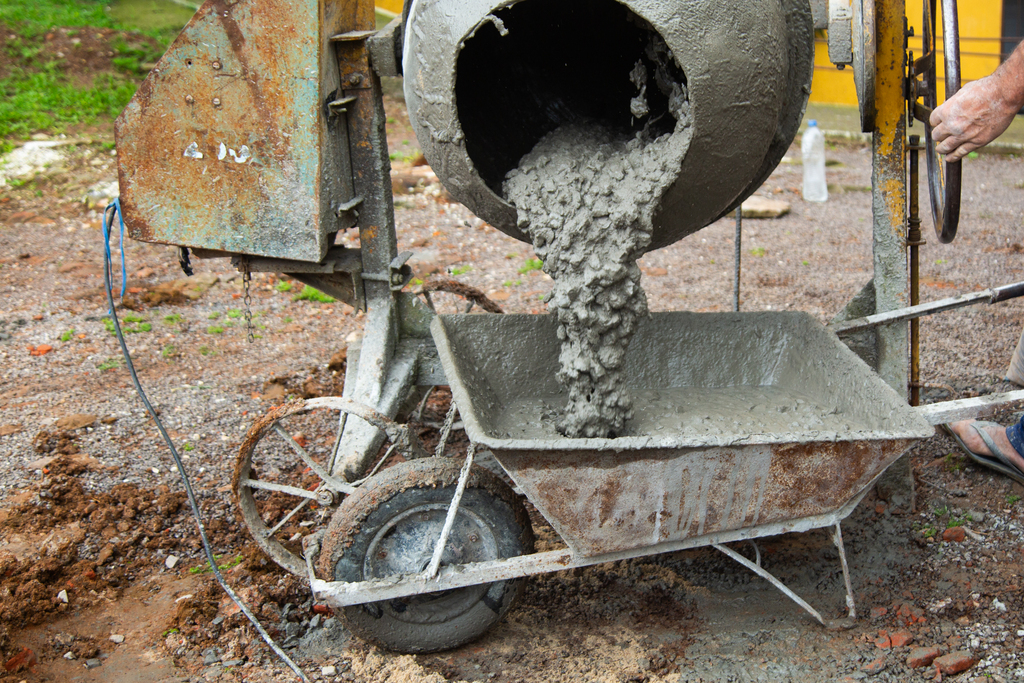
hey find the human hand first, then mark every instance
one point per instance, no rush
(972, 118)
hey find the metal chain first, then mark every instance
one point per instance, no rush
(246, 279)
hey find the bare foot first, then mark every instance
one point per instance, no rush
(971, 439)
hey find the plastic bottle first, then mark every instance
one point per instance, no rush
(812, 149)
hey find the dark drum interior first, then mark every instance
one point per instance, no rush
(558, 63)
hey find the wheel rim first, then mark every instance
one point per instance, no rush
(274, 518)
(405, 545)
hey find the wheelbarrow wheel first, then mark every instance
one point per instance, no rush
(282, 481)
(390, 526)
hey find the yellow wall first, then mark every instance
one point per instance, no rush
(394, 6)
(980, 35)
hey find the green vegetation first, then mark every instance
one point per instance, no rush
(511, 283)
(172, 319)
(313, 294)
(128, 325)
(169, 351)
(758, 251)
(234, 313)
(187, 447)
(283, 286)
(953, 462)
(213, 316)
(215, 329)
(461, 270)
(530, 265)
(205, 567)
(205, 350)
(1012, 499)
(110, 364)
(68, 336)
(37, 92)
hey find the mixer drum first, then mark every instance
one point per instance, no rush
(486, 80)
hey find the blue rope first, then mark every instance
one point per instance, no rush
(115, 206)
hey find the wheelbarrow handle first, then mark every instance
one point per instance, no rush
(989, 296)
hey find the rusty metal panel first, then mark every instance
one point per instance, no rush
(229, 145)
(606, 501)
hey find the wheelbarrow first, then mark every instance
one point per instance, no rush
(747, 425)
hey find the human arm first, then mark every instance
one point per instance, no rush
(981, 110)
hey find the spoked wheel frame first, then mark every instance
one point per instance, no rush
(330, 489)
(944, 178)
(390, 526)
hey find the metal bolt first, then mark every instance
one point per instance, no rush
(355, 79)
(325, 497)
(216, 65)
(189, 99)
(216, 101)
(474, 538)
(382, 554)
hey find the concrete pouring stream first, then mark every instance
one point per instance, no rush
(586, 196)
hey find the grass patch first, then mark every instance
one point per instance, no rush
(313, 294)
(203, 568)
(214, 329)
(172, 319)
(758, 251)
(68, 336)
(169, 351)
(131, 324)
(283, 286)
(531, 264)
(110, 364)
(205, 350)
(461, 270)
(234, 313)
(213, 316)
(1012, 499)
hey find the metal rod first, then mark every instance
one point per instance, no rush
(332, 482)
(988, 296)
(775, 582)
(914, 241)
(738, 259)
(837, 538)
(343, 594)
(967, 408)
(279, 488)
(453, 509)
(277, 527)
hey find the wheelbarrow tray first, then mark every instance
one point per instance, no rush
(741, 420)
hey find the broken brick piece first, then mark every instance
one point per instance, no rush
(955, 662)
(955, 534)
(922, 656)
(901, 638)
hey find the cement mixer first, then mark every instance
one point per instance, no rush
(259, 137)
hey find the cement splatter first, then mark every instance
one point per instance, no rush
(586, 196)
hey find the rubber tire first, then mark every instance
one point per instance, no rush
(391, 494)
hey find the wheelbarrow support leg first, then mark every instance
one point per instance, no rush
(760, 571)
(837, 538)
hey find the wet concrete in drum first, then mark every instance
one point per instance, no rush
(586, 196)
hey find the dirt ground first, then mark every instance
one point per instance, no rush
(101, 573)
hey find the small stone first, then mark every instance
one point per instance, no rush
(330, 670)
(69, 655)
(63, 596)
(92, 663)
(901, 638)
(171, 562)
(116, 638)
(955, 662)
(73, 422)
(105, 554)
(998, 605)
(210, 656)
(922, 656)
(761, 207)
(878, 612)
(217, 621)
(234, 662)
(875, 666)
(954, 534)
(314, 622)
(976, 516)
(883, 642)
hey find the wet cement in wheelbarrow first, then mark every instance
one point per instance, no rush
(725, 412)
(586, 196)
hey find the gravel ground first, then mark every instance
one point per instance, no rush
(687, 616)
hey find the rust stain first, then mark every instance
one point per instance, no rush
(608, 497)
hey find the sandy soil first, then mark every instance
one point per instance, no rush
(92, 512)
